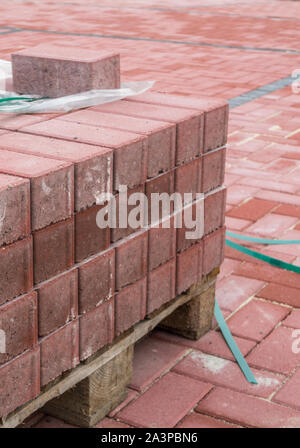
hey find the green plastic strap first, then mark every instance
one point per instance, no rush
(20, 98)
(266, 258)
(250, 239)
(274, 262)
(232, 345)
(16, 98)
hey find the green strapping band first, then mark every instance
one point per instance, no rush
(232, 345)
(19, 98)
(273, 261)
(250, 239)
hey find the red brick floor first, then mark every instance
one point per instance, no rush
(223, 48)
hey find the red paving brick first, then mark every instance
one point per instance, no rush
(228, 267)
(289, 249)
(16, 269)
(236, 224)
(262, 173)
(130, 305)
(285, 198)
(272, 225)
(57, 302)
(252, 210)
(152, 358)
(256, 319)
(281, 293)
(18, 319)
(196, 420)
(289, 210)
(98, 70)
(266, 272)
(248, 411)
(59, 351)
(15, 207)
(293, 320)
(53, 250)
(165, 403)
(213, 250)
(233, 290)
(161, 157)
(21, 380)
(129, 148)
(222, 372)
(189, 124)
(212, 343)
(92, 165)
(110, 423)
(275, 353)
(52, 185)
(289, 394)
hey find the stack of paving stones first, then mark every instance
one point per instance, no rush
(67, 287)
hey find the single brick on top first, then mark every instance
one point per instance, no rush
(52, 70)
(215, 112)
(93, 165)
(189, 124)
(14, 208)
(130, 149)
(51, 185)
(161, 135)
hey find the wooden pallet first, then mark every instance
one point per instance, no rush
(87, 393)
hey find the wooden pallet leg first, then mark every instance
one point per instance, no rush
(194, 319)
(94, 397)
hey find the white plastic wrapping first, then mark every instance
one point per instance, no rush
(65, 103)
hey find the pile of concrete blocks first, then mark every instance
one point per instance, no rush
(67, 287)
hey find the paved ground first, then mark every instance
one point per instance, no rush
(226, 49)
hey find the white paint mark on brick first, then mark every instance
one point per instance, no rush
(267, 382)
(209, 362)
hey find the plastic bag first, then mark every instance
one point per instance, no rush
(64, 103)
